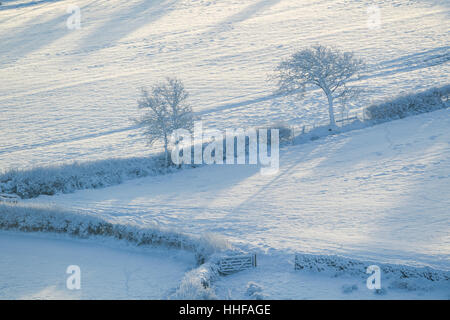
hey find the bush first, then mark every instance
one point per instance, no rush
(66, 178)
(284, 131)
(411, 104)
(196, 284)
(336, 265)
(45, 218)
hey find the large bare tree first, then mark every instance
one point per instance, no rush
(165, 110)
(323, 67)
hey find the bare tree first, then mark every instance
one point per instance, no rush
(326, 68)
(165, 110)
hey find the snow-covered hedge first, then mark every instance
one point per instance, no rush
(45, 218)
(284, 131)
(336, 265)
(66, 178)
(411, 104)
(196, 284)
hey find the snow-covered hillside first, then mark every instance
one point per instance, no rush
(379, 193)
(69, 94)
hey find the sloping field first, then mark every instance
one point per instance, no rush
(379, 193)
(69, 95)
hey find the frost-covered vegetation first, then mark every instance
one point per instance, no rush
(285, 131)
(410, 104)
(44, 218)
(322, 67)
(397, 108)
(165, 110)
(336, 265)
(196, 284)
(66, 178)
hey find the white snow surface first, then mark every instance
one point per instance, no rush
(379, 193)
(69, 95)
(33, 266)
(275, 278)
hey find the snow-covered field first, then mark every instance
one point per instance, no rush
(379, 194)
(34, 267)
(70, 94)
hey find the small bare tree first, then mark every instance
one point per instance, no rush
(165, 110)
(326, 68)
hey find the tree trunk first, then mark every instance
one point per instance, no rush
(166, 152)
(330, 110)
